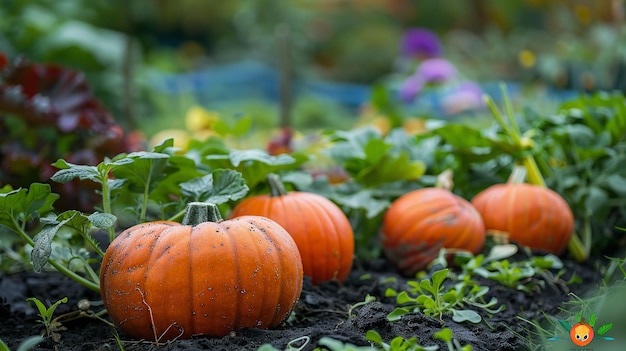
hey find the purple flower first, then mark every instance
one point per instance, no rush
(421, 42)
(435, 70)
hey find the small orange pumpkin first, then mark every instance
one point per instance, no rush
(163, 280)
(532, 215)
(420, 223)
(320, 229)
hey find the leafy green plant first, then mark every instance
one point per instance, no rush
(46, 314)
(380, 169)
(522, 275)
(433, 298)
(398, 343)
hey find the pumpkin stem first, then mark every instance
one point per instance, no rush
(277, 188)
(200, 212)
(444, 180)
(518, 176)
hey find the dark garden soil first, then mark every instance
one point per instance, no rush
(321, 311)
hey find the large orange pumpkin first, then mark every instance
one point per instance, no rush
(420, 223)
(164, 280)
(320, 229)
(532, 215)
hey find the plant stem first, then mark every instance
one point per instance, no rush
(200, 212)
(95, 286)
(106, 203)
(277, 188)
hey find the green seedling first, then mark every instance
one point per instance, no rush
(46, 313)
(433, 298)
(398, 343)
(453, 344)
(368, 298)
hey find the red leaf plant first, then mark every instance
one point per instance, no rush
(48, 112)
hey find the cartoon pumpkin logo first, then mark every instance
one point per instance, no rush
(581, 333)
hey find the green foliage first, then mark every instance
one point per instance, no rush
(398, 343)
(46, 313)
(584, 159)
(433, 298)
(381, 168)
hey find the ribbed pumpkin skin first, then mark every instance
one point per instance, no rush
(208, 279)
(533, 216)
(320, 229)
(418, 224)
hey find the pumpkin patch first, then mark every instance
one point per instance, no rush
(163, 280)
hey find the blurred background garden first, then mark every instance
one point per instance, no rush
(82, 80)
(314, 63)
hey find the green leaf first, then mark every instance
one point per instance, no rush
(403, 297)
(373, 336)
(41, 308)
(438, 277)
(397, 314)
(592, 320)
(218, 187)
(21, 205)
(69, 171)
(145, 170)
(43, 245)
(605, 328)
(238, 157)
(460, 316)
(102, 220)
(445, 334)
(362, 199)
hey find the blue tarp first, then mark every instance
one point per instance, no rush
(255, 80)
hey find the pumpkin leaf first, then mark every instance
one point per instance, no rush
(42, 249)
(21, 205)
(218, 187)
(253, 164)
(102, 220)
(362, 199)
(372, 160)
(144, 171)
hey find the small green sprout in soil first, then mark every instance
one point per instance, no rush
(51, 326)
(433, 298)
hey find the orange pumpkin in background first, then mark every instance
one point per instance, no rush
(319, 227)
(420, 223)
(532, 215)
(163, 280)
